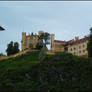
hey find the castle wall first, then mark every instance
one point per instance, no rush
(35, 40)
(58, 47)
(55, 45)
(24, 40)
(78, 49)
(28, 40)
(52, 42)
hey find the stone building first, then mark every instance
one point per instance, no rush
(76, 46)
(30, 41)
(57, 45)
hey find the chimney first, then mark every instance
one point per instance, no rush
(72, 41)
(76, 38)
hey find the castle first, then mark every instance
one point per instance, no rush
(76, 46)
(29, 41)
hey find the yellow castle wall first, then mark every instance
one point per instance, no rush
(78, 49)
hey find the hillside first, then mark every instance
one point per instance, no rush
(61, 72)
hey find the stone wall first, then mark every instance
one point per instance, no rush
(78, 49)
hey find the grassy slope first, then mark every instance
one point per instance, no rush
(61, 73)
(13, 71)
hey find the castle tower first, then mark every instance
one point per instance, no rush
(52, 41)
(28, 42)
(23, 40)
(34, 42)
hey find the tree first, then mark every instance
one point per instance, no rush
(44, 39)
(12, 48)
(39, 46)
(9, 49)
(89, 47)
(16, 47)
(42, 53)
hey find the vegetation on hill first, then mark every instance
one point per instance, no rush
(43, 40)
(12, 48)
(89, 47)
(61, 72)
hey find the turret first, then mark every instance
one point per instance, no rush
(76, 38)
(52, 41)
(23, 40)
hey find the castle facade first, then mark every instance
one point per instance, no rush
(30, 41)
(76, 46)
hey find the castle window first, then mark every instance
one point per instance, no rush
(84, 51)
(79, 47)
(31, 41)
(71, 49)
(74, 48)
(25, 44)
(83, 45)
(74, 52)
(80, 51)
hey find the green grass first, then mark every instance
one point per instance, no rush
(61, 72)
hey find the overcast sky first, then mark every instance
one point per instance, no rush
(66, 19)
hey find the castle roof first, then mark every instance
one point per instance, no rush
(60, 41)
(72, 42)
(77, 41)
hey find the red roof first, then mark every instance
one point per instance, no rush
(74, 42)
(78, 41)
